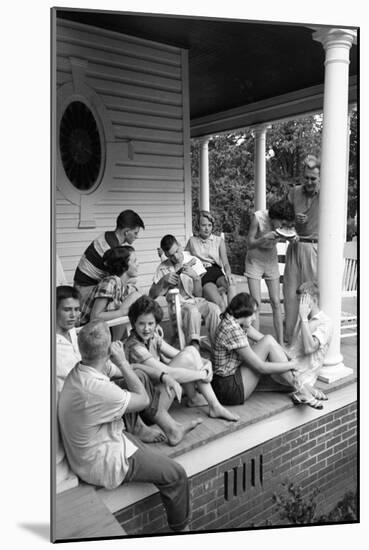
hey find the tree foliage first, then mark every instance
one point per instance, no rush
(231, 174)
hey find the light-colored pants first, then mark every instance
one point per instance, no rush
(193, 312)
(301, 266)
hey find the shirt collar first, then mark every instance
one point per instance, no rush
(211, 238)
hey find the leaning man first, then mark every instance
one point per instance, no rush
(90, 413)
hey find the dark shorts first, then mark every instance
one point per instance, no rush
(229, 389)
(152, 391)
(212, 274)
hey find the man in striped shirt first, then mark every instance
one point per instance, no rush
(90, 270)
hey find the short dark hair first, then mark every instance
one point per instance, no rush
(128, 219)
(282, 210)
(116, 259)
(309, 287)
(142, 306)
(63, 292)
(167, 242)
(242, 305)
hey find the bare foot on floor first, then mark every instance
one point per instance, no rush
(178, 433)
(218, 411)
(151, 434)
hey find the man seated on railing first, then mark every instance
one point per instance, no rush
(183, 271)
(90, 413)
(161, 396)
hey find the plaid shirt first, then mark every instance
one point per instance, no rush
(111, 288)
(229, 338)
(138, 352)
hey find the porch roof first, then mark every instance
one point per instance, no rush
(240, 72)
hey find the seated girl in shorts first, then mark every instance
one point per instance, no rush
(211, 250)
(112, 297)
(157, 358)
(237, 365)
(262, 257)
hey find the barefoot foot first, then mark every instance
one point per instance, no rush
(152, 434)
(219, 411)
(178, 433)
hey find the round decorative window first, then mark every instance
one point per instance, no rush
(80, 146)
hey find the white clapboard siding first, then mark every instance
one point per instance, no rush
(143, 88)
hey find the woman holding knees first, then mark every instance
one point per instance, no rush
(237, 365)
(211, 250)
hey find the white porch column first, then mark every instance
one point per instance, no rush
(260, 167)
(204, 176)
(337, 44)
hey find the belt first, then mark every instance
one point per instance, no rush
(307, 240)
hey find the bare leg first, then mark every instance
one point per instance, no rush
(268, 347)
(148, 434)
(254, 288)
(275, 302)
(250, 380)
(211, 294)
(216, 410)
(174, 431)
(229, 288)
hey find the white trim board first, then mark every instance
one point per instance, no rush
(215, 452)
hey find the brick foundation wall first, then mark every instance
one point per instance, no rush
(238, 493)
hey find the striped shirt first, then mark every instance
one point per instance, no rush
(90, 269)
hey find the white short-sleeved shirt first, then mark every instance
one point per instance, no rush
(67, 356)
(321, 328)
(186, 283)
(207, 250)
(90, 415)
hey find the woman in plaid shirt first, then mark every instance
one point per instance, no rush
(112, 297)
(237, 365)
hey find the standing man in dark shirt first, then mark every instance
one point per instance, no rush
(302, 253)
(90, 270)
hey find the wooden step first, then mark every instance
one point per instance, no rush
(80, 514)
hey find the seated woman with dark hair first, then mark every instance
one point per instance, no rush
(112, 297)
(159, 359)
(211, 250)
(237, 365)
(262, 257)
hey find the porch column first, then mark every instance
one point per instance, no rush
(260, 167)
(337, 44)
(204, 175)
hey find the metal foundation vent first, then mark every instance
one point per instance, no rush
(243, 478)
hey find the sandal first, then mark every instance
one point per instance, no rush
(299, 399)
(318, 394)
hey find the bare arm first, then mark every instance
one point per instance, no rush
(224, 260)
(264, 367)
(309, 342)
(261, 242)
(139, 399)
(99, 308)
(170, 280)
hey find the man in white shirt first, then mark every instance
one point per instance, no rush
(184, 271)
(90, 415)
